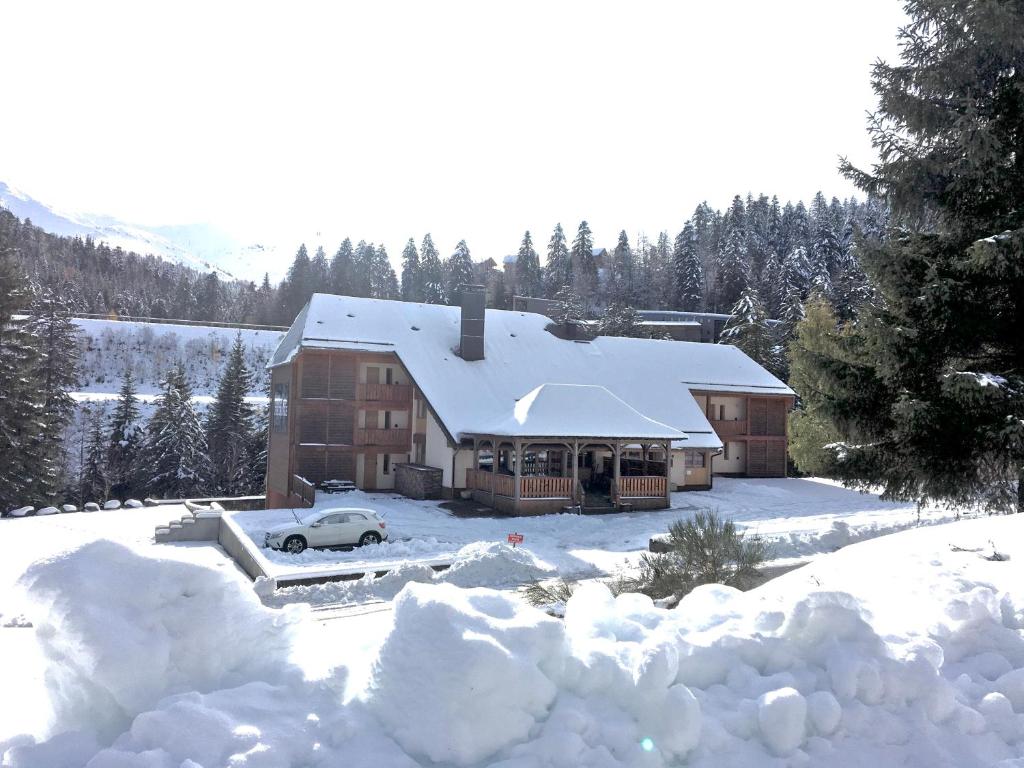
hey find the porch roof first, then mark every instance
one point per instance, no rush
(578, 410)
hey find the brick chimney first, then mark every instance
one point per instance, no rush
(471, 339)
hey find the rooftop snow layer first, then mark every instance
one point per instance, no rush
(652, 376)
(567, 410)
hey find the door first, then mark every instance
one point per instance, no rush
(370, 471)
(328, 533)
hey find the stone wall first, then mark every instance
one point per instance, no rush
(418, 481)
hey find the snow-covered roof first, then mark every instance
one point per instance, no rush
(653, 377)
(568, 410)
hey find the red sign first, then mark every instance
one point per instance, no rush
(515, 538)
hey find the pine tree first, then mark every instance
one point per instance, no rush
(584, 267)
(459, 272)
(340, 272)
(360, 278)
(319, 272)
(815, 341)
(230, 427)
(570, 311)
(558, 270)
(621, 286)
(928, 389)
(412, 277)
(433, 272)
(21, 417)
(383, 281)
(95, 481)
(748, 330)
(297, 286)
(56, 375)
(175, 444)
(688, 273)
(125, 440)
(529, 278)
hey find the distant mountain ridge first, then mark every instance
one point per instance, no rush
(200, 246)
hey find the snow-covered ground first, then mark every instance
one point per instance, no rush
(799, 518)
(898, 651)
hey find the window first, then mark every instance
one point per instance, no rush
(355, 517)
(332, 519)
(388, 376)
(421, 408)
(387, 463)
(694, 459)
(387, 419)
(721, 414)
(280, 407)
(727, 451)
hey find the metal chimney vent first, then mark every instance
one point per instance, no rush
(471, 339)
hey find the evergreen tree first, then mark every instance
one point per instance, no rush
(361, 276)
(621, 287)
(584, 267)
(175, 443)
(319, 272)
(383, 281)
(688, 273)
(815, 342)
(125, 440)
(433, 272)
(230, 427)
(412, 277)
(620, 320)
(55, 376)
(529, 278)
(928, 389)
(297, 286)
(748, 330)
(21, 414)
(95, 481)
(558, 270)
(459, 272)
(340, 272)
(570, 311)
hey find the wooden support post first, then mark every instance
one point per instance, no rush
(668, 474)
(643, 453)
(519, 473)
(576, 470)
(617, 459)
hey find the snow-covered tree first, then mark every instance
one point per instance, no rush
(570, 307)
(176, 455)
(529, 277)
(621, 286)
(412, 278)
(125, 440)
(558, 270)
(620, 320)
(95, 479)
(230, 427)
(341, 269)
(584, 267)
(688, 272)
(459, 272)
(748, 329)
(433, 272)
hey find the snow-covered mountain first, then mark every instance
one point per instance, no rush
(202, 246)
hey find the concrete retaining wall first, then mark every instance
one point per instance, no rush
(418, 481)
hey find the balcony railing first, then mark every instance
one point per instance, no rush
(385, 393)
(643, 486)
(729, 428)
(389, 438)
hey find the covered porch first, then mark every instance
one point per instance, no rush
(572, 448)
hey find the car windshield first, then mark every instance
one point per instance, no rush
(312, 517)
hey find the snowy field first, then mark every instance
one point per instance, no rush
(898, 651)
(800, 518)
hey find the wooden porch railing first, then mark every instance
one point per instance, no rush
(544, 487)
(391, 438)
(479, 480)
(305, 489)
(729, 428)
(385, 393)
(504, 485)
(645, 486)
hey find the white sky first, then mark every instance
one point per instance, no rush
(475, 120)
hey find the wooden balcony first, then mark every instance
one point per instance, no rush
(643, 486)
(394, 395)
(729, 428)
(387, 438)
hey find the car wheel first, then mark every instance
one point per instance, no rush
(369, 538)
(294, 544)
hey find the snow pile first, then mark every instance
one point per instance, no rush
(460, 675)
(122, 631)
(494, 564)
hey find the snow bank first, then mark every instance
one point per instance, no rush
(122, 631)
(493, 564)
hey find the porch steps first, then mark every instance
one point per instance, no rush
(198, 524)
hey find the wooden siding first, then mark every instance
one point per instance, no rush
(543, 487)
(642, 486)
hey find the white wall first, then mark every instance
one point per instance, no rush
(735, 407)
(398, 374)
(438, 452)
(388, 480)
(737, 461)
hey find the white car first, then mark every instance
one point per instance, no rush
(345, 526)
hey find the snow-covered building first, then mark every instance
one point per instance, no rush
(522, 418)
